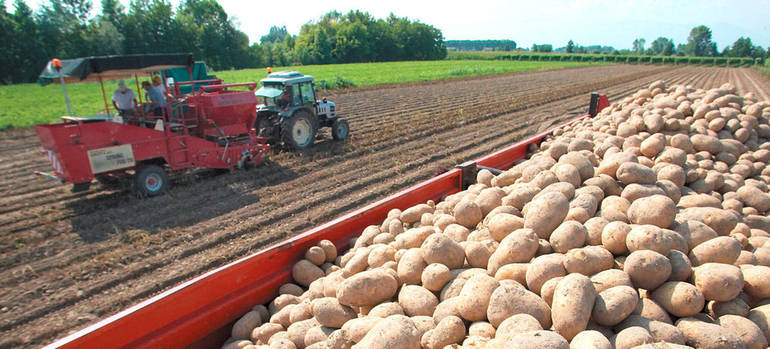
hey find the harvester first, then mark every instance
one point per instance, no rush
(204, 124)
(290, 113)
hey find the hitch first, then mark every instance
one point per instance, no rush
(469, 170)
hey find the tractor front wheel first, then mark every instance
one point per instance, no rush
(298, 131)
(340, 129)
(151, 180)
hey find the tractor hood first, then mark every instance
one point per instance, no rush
(268, 91)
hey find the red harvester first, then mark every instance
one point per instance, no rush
(211, 127)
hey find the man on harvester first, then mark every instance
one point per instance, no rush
(124, 100)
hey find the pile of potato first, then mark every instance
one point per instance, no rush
(643, 227)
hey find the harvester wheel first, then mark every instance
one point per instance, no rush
(151, 180)
(340, 129)
(299, 131)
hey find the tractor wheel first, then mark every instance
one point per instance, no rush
(340, 129)
(151, 180)
(298, 131)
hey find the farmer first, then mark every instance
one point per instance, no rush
(158, 85)
(155, 97)
(285, 99)
(124, 100)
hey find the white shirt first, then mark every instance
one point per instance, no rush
(124, 100)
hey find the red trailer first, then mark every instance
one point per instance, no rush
(200, 313)
(212, 127)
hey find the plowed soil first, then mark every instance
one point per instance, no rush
(69, 259)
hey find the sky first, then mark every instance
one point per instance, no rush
(587, 22)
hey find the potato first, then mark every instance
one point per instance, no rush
(716, 281)
(649, 237)
(477, 253)
(302, 311)
(411, 266)
(614, 237)
(304, 272)
(594, 227)
(590, 339)
(367, 288)
(658, 210)
(679, 298)
(545, 213)
(613, 305)
(610, 278)
(435, 276)
(475, 297)
(694, 232)
(514, 271)
(510, 299)
(379, 255)
(660, 331)
(568, 235)
(519, 246)
(537, 339)
(396, 331)
(681, 268)
(520, 195)
(735, 306)
(414, 213)
(316, 255)
(745, 329)
(761, 317)
(544, 268)
(754, 197)
(756, 281)
(318, 334)
(721, 221)
(573, 301)
(515, 324)
(330, 313)
(265, 331)
(291, 289)
(614, 208)
(457, 232)
(438, 248)
(417, 300)
(631, 337)
(721, 249)
(701, 334)
(650, 309)
(468, 214)
(450, 330)
(647, 269)
(503, 224)
(588, 260)
(243, 328)
(297, 331)
(631, 172)
(481, 329)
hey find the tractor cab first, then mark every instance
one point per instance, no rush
(289, 111)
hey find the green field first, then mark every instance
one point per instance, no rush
(24, 105)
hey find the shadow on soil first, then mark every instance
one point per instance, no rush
(195, 196)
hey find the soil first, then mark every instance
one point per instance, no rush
(70, 259)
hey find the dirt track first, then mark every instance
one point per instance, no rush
(67, 260)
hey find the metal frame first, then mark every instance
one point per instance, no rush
(199, 313)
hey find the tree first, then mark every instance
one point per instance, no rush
(570, 47)
(699, 42)
(662, 47)
(276, 34)
(638, 46)
(741, 48)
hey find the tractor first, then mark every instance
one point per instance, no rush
(290, 113)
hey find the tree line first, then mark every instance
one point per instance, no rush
(69, 29)
(699, 44)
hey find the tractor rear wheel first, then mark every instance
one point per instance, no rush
(340, 129)
(151, 180)
(298, 131)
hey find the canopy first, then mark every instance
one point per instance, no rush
(113, 67)
(268, 91)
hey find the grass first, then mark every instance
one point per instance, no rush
(24, 105)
